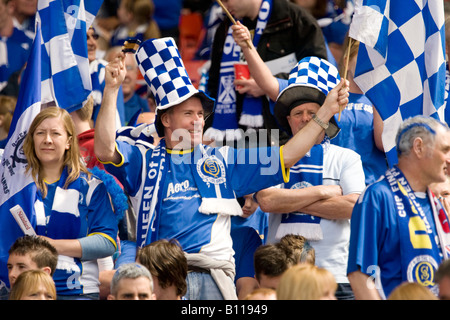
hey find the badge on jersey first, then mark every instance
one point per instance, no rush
(211, 170)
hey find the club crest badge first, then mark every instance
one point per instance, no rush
(422, 270)
(211, 170)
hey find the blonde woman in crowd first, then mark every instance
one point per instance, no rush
(306, 282)
(33, 285)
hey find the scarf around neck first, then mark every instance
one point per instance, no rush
(307, 172)
(64, 211)
(420, 254)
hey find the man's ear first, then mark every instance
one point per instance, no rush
(165, 119)
(418, 147)
(47, 270)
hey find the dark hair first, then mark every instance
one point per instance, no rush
(40, 250)
(166, 261)
(270, 260)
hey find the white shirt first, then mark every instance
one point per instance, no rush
(343, 167)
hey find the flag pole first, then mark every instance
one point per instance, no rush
(347, 59)
(249, 44)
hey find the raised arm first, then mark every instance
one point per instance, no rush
(105, 128)
(258, 69)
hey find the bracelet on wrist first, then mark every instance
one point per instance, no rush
(320, 122)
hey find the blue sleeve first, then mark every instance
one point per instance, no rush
(129, 170)
(253, 169)
(370, 223)
(101, 217)
(282, 84)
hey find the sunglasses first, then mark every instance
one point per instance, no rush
(94, 36)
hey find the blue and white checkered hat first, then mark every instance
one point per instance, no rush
(309, 81)
(160, 63)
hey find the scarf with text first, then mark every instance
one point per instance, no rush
(420, 252)
(225, 124)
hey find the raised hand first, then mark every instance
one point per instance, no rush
(115, 72)
(241, 35)
(337, 99)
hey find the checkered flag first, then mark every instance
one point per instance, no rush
(315, 72)
(56, 49)
(401, 60)
(65, 66)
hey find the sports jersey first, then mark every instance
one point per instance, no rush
(245, 170)
(122, 34)
(74, 276)
(375, 237)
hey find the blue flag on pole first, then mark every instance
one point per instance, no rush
(66, 78)
(16, 186)
(57, 71)
(401, 60)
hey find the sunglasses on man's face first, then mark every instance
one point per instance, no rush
(93, 36)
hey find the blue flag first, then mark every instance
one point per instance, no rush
(401, 60)
(66, 78)
(16, 186)
(57, 72)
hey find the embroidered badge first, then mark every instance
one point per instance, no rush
(422, 270)
(211, 170)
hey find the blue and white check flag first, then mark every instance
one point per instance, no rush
(65, 65)
(16, 187)
(54, 72)
(401, 60)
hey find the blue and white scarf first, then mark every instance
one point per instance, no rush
(420, 254)
(64, 211)
(225, 124)
(72, 274)
(209, 171)
(305, 173)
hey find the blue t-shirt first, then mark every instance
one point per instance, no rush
(248, 234)
(375, 237)
(167, 13)
(357, 134)
(121, 34)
